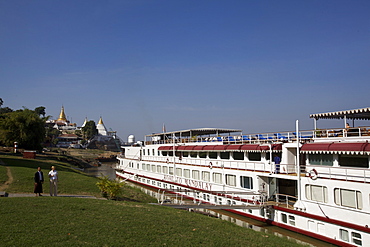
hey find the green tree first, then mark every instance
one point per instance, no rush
(22, 126)
(51, 135)
(4, 109)
(40, 111)
(89, 130)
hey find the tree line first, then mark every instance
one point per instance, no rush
(28, 128)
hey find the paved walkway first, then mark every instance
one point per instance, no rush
(47, 195)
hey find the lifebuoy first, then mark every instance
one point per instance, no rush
(312, 174)
(210, 165)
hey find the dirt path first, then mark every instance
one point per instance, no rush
(10, 177)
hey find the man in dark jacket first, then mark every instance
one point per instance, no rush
(39, 179)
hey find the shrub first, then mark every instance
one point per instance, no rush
(110, 189)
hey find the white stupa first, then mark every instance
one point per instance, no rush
(83, 125)
(101, 128)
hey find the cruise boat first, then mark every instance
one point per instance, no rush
(314, 182)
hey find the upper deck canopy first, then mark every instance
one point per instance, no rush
(197, 132)
(356, 114)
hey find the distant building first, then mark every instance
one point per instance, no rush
(105, 139)
(69, 140)
(62, 123)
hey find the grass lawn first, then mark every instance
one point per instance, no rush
(67, 221)
(70, 181)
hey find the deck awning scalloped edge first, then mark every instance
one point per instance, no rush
(358, 148)
(357, 114)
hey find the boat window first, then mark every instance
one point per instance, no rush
(352, 161)
(202, 155)
(193, 154)
(317, 193)
(195, 174)
(153, 152)
(225, 155)
(164, 153)
(217, 177)
(206, 176)
(356, 238)
(159, 169)
(148, 167)
(348, 198)
(212, 155)
(230, 179)
(246, 182)
(185, 154)
(143, 166)
(238, 155)
(292, 220)
(170, 170)
(179, 172)
(153, 168)
(321, 159)
(343, 234)
(254, 156)
(143, 151)
(187, 173)
(165, 170)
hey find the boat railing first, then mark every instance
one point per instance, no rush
(340, 173)
(284, 200)
(361, 131)
(285, 136)
(257, 166)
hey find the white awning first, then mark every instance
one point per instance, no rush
(357, 114)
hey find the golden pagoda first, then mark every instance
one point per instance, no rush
(62, 116)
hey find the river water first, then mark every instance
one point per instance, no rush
(107, 169)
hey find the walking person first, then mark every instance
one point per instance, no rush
(39, 179)
(53, 176)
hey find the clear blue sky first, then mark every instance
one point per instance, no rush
(251, 65)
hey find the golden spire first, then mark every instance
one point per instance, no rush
(101, 121)
(62, 115)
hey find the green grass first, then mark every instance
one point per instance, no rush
(3, 176)
(68, 221)
(70, 180)
(64, 221)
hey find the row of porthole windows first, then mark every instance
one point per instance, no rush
(198, 195)
(342, 197)
(229, 179)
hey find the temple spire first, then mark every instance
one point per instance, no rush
(62, 116)
(101, 128)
